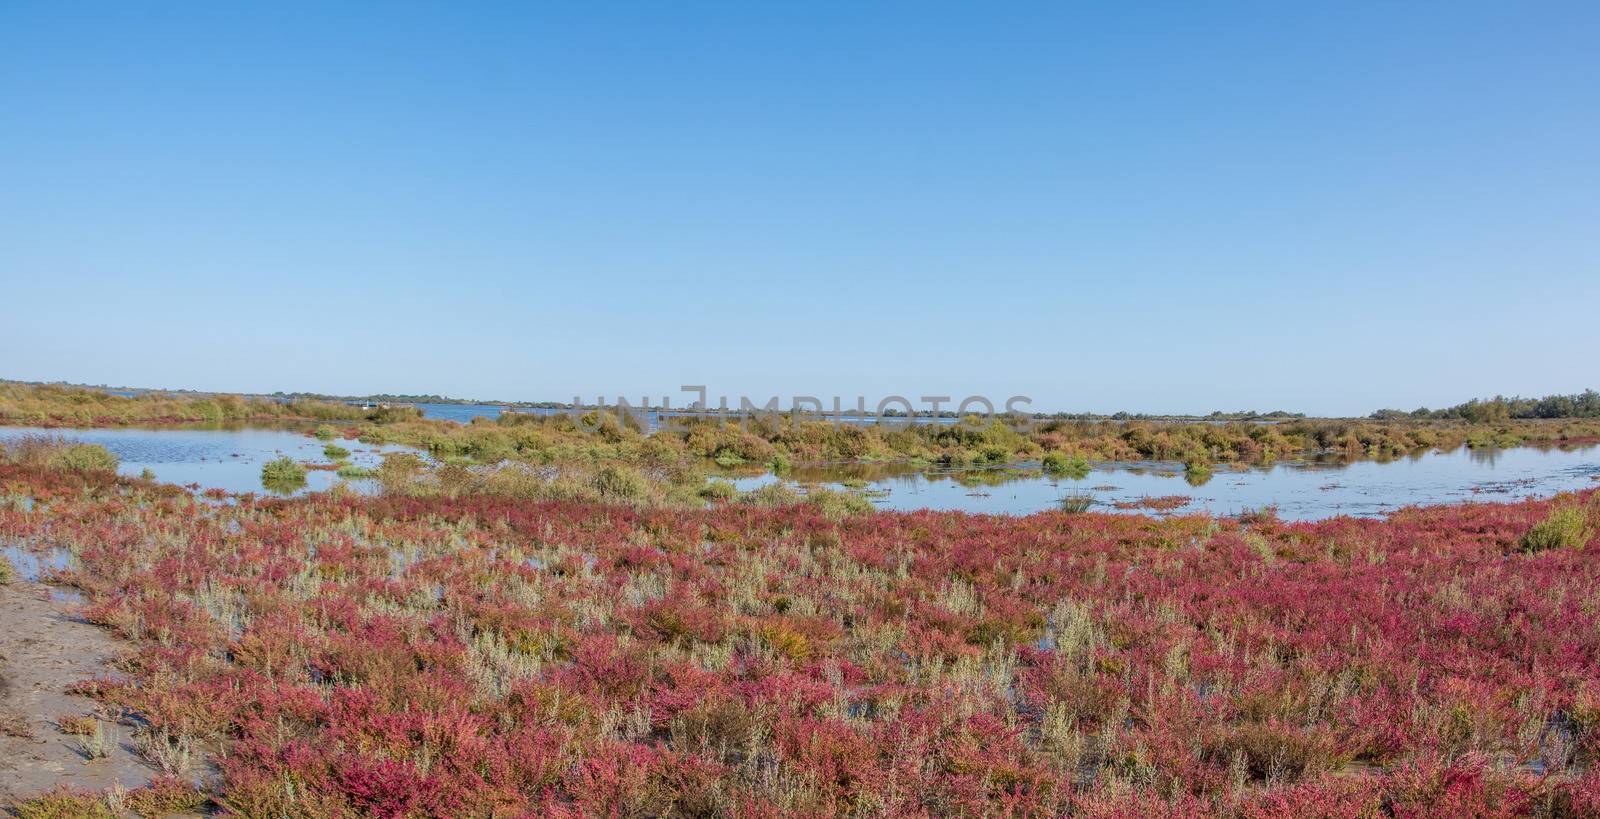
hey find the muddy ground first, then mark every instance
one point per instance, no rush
(44, 649)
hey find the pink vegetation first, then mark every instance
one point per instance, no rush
(482, 657)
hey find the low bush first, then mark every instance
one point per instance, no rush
(1266, 752)
(283, 475)
(59, 453)
(63, 803)
(772, 495)
(719, 490)
(1566, 527)
(1059, 463)
(618, 483)
(836, 505)
(164, 796)
(85, 457)
(77, 724)
(354, 472)
(994, 454)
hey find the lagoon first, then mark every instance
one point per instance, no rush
(230, 458)
(1300, 490)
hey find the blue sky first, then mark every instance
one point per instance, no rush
(1184, 207)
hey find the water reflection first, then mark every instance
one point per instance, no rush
(230, 457)
(1301, 490)
(219, 456)
(284, 485)
(1487, 456)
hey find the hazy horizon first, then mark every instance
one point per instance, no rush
(680, 399)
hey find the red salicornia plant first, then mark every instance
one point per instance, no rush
(404, 657)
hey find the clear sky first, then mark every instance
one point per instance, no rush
(1325, 207)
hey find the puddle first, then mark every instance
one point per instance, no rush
(33, 566)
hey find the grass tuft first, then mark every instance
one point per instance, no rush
(1077, 502)
(1566, 527)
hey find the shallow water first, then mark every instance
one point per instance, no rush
(37, 566)
(229, 459)
(34, 566)
(1300, 490)
(460, 413)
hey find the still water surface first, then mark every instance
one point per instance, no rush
(231, 459)
(460, 413)
(227, 458)
(1300, 490)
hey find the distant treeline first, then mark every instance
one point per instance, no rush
(405, 398)
(1500, 408)
(55, 405)
(1219, 415)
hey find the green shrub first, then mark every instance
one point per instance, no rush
(402, 473)
(957, 459)
(283, 475)
(838, 505)
(282, 469)
(166, 795)
(1059, 463)
(994, 454)
(334, 452)
(772, 495)
(780, 464)
(84, 458)
(719, 490)
(394, 415)
(1566, 527)
(354, 472)
(620, 483)
(325, 433)
(62, 803)
(683, 496)
(8, 572)
(208, 410)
